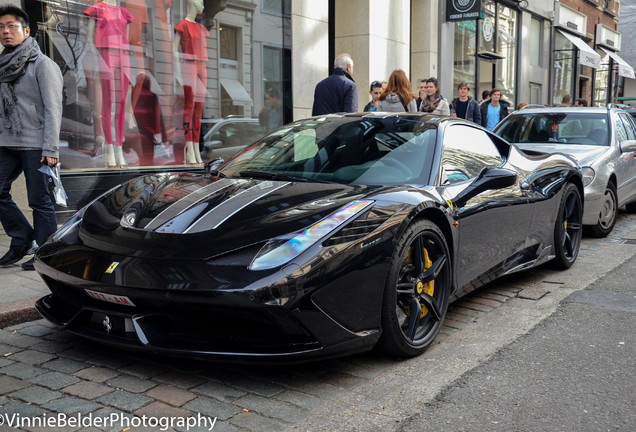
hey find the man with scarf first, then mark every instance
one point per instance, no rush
(31, 108)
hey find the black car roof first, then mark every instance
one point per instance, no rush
(413, 116)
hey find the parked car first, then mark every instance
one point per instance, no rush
(224, 137)
(603, 140)
(330, 236)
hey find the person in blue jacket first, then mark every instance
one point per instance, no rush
(338, 92)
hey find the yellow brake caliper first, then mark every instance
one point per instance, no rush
(428, 287)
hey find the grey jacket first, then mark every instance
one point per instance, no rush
(392, 103)
(39, 104)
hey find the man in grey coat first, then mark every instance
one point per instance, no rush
(338, 92)
(31, 110)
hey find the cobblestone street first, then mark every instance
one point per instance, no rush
(46, 371)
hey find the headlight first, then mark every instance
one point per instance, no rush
(70, 225)
(588, 175)
(73, 224)
(281, 250)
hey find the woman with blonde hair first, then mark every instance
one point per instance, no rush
(397, 96)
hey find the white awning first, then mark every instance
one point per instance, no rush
(587, 56)
(624, 69)
(236, 91)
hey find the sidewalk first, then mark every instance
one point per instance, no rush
(19, 289)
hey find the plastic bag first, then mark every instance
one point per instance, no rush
(55, 183)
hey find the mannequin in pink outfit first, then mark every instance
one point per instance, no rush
(107, 35)
(190, 60)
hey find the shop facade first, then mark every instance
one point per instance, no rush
(146, 80)
(172, 82)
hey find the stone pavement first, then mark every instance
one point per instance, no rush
(47, 373)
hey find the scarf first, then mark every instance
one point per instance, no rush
(12, 66)
(429, 104)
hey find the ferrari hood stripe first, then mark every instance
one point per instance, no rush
(215, 217)
(191, 200)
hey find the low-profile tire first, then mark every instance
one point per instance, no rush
(568, 228)
(608, 214)
(419, 279)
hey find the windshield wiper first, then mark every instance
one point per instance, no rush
(278, 176)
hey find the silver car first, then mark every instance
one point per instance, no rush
(602, 140)
(224, 137)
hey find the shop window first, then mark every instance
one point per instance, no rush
(601, 80)
(277, 7)
(564, 68)
(464, 61)
(507, 47)
(497, 49)
(146, 91)
(535, 37)
(229, 42)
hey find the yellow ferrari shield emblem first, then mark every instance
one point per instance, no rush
(111, 268)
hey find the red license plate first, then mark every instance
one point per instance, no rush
(121, 300)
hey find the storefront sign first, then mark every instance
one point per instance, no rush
(463, 10)
(488, 29)
(606, 37)
(570, 19)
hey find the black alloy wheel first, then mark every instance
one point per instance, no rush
(417, 291)
(568, 228)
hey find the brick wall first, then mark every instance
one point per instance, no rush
(595, 13)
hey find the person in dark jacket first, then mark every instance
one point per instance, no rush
(493, 110)
(465, 106)
(375, 90)
(338, 92)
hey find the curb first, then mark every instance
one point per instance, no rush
(18, 312)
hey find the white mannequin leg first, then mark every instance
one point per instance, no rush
(110, 157)
(197, 154)
(189, 154)
(119, 155)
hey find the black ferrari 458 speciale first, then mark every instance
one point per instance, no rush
(329, 236)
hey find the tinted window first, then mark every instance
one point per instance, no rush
(467, 151)
(372, 151)
(555, 127)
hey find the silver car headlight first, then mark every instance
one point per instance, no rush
(588, 175)
(283, 249)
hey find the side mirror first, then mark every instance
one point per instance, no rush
(488, 179)
(628, 146)
(212, 167)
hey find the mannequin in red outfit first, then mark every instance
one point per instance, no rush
(190, 60)
(107, 35)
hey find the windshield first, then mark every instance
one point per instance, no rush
(369, 151)
(555, 127)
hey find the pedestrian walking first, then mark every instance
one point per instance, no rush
(493, 110)
(31, 97)
(397, 96)
(338, 92)
(434, 103)
(465, 106)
